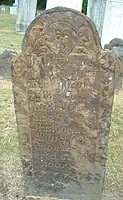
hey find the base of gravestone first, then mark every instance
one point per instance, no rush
(37, 191)
(20, 33)
(52, 198)
(21, 27)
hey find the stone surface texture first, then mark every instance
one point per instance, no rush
(63, 86)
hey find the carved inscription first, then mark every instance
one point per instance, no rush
(61, 113)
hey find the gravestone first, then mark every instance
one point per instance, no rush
(65, 3)
(116, 47)
(63, 85)
(3, 8)
(16, 3)
(112, 21)
(5, 64)
(25, 15)
(96, 11)
(14, 8)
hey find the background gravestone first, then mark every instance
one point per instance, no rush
(4, 9)
(63, 86)
(112, 21)
(14, 8)
(26, 11)
(96, 11)
(116, 47)
(5, 63)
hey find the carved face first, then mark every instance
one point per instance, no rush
(61, 37)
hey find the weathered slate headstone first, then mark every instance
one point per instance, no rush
(116, 47)
(63, 86)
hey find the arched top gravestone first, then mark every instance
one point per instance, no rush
(63, 89)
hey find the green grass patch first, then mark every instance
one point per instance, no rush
(7, 22)
(9, 39)
(8, 135)
(114, 175)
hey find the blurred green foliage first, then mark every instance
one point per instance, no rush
(6, 2)
(84, 6)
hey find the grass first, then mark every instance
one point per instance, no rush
(8, 38)
(114, 175)
(7, 22)
(10, 165)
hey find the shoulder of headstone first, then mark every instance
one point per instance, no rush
(117, 61)
(107, 60)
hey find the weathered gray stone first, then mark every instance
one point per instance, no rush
(96, 11)
(63, 85)
(116, 47)
(5, 63)
(25, 15)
